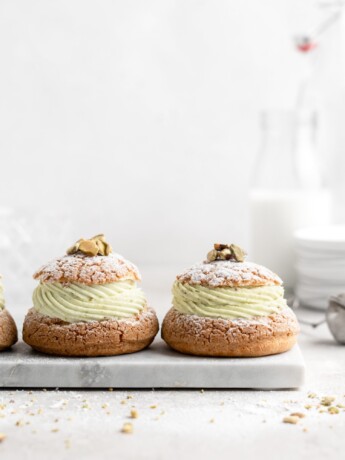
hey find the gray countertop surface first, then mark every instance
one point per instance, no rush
(184, 423)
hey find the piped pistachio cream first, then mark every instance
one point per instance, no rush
(2, 298)
(228, 302)
(75, 302)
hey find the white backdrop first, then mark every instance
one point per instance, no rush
(140, 118)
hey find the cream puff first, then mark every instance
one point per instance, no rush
(8, 328)
(225, 306)
(87, 303)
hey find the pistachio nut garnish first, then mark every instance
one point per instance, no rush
(99, 237)
(238, 253)
(94, 246)
(88, 247)
(101, 247)
(226, 252)
(73, 249)
(212, 255)
(220, 247)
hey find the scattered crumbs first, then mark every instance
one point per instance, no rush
(341, 406)
(13, 412)
(110, 389)
(67, 443)
(19, 423)
(322, 411)
(333, 410)
(134, 413)
(127, 428)
(123, 401)
(162, 412)
(211, 420)
(291, 419)
(222, 403)
(44, 389)
(2, 406)
(327, 400)
(129, 397)
(298, 414)
(2, 437)
(305, 430)
(85, 406)
(108, 413)
(40, 411)
(153, 406)
(104, 406)
(312, 395)
(202, 391)
(55, 430)
(308, 406)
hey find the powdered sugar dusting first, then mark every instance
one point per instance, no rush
(228, 273)
(88, 270)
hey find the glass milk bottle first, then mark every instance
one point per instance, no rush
(287, 191)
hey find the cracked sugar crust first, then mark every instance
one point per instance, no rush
(203, 336)
(227, 273)
(8, 330)
(79, 268)
(94, 338)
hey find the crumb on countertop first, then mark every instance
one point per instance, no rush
(127, 428)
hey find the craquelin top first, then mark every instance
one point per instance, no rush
(78, 268)
(229, 273)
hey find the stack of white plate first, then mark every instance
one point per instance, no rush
(320, 264)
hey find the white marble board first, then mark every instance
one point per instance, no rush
(156, 367)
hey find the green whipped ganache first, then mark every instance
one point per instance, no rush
(227, 302)
(74, 302)
(2, 298)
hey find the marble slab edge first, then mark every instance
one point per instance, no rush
(157, 367)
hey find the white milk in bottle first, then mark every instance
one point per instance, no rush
(286, 192)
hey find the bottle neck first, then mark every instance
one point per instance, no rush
(287, 157)
(305, 150)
